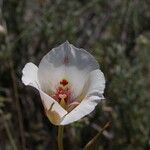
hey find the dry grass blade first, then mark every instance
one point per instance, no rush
(92, 143)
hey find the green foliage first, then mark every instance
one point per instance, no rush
(116, 32)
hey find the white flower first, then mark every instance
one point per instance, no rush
(69, 81)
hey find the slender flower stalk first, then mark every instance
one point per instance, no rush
(60, 137)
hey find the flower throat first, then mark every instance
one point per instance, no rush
(62, 94)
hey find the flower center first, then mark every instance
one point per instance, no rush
(63, 93)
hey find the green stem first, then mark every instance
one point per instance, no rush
(60, 137)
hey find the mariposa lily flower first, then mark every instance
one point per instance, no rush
(69, 81)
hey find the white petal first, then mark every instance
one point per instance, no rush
(66, 61)
(50, 103)
(30, 78)
(94, 95)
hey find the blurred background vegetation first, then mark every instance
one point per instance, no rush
(116, 32)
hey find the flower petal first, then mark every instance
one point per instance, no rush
(52, 108)
(66, 61)
(94, 95)
(30, 78)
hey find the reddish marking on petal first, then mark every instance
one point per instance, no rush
(64, 82)
(66, 60)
